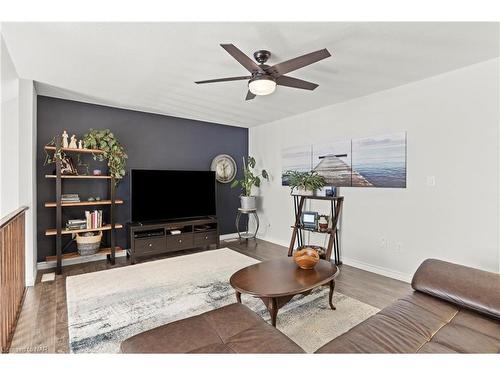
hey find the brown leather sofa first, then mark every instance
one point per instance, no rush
(454, 309)
(230, 329)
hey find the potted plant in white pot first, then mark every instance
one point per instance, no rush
(304, 183)
(250, 179)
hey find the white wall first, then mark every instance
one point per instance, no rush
(452, 124)
(9, 134)
(17, 152)
(27, 175)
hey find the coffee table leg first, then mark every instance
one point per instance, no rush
(332, 287)
(273, 310)
(238, 297)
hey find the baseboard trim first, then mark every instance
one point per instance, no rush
(359, 264)
(377, 269)
(229, 236)
(67, 262)
(30, 280)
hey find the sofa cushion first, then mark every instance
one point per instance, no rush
(464, 286)
(469, 335)
(229, 329)
(420, 323)
(402, 327)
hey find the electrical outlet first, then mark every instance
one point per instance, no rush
(383, 243)
(399, 247)
(431, 181)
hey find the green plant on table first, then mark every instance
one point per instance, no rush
(250, 178)
(113, 150)
(309, 181)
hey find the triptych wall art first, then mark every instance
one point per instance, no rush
(363, 162)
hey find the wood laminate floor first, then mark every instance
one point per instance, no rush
(43, 322)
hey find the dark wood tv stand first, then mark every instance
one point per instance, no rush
(156, 238)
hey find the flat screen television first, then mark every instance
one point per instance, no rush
(162, 195)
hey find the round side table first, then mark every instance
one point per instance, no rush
(247, 235)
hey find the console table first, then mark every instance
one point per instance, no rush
(157, 238)
(336, 204)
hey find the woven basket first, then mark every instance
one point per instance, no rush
(88, 245)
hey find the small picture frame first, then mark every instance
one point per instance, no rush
(309, 219)
(330, 191)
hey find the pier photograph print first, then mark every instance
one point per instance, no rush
(297, 158)
(378, 161)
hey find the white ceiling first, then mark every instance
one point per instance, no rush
(152, 66)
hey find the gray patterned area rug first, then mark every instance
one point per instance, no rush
(106, 307)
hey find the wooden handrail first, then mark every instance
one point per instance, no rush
(12, 280)
(11, 216)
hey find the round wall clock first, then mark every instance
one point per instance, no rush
(224, 167)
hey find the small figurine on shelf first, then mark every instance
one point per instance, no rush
(323, 223)
(68, 166)
(72, 143)
(80, 146)
(65, 139)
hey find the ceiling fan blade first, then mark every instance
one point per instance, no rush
(295, 83)
(250, 96)
(243, 59)
(298, 62)
(224, 79)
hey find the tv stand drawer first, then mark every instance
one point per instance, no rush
(146, 240)
(205, 238)
(180, 241)
(150, 245)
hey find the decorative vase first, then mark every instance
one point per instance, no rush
(302, 191)
(248, 203)
(306, 258)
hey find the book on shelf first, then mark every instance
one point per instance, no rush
(73, 224)
(70, 198)
(75, 227)
(76, 221)
(93, 219)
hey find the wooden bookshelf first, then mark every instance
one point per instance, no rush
(65, 176)
(84, 203)
(73, 255)
(53, 232)
(60, 229)
(78, 150)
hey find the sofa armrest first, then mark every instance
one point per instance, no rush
(464, 286)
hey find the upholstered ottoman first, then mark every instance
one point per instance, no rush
(229, 329)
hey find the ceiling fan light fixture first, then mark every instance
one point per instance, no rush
(263, 85)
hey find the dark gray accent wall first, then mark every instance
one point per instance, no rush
(151, 141)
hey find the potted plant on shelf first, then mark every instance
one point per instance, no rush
(304, 183)
(250, 179)
(114, 152)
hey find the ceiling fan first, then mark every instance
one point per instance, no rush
(264, 78)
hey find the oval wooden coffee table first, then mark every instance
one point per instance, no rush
(276, 281)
